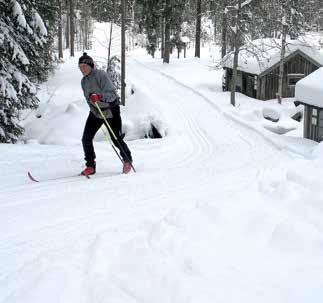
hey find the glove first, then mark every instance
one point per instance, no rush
(95, 97)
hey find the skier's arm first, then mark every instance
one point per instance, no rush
(108, 91)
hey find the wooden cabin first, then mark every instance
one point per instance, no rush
(309, 92)
(258, 77)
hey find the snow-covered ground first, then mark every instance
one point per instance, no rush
(221, 209)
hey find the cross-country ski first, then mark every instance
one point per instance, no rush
(32, 178)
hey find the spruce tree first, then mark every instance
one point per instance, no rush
(22, 37)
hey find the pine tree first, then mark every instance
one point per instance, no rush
(151, 16)
(22, 35)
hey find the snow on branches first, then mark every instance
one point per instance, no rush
(23, 33)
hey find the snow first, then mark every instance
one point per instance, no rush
(218, 204)
(185, 39)
(259, 55)
(18, 13)
(39, 23)
(246, 3)
(309, 89)
(17, 50)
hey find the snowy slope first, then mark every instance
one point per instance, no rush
(217, 212)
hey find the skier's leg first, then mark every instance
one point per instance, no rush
(116, 125)
(92, 125)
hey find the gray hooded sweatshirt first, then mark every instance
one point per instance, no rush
(98, 81)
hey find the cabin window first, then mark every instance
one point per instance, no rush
(314, 116)
(294, 78)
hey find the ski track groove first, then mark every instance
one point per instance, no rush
(204, 146)
(67, 231)
(240, 128)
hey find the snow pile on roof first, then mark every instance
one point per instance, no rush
(261, 54)
(309, 90)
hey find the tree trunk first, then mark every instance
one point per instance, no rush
(224, 30)
(167, 43)
(72, 28)
(162, 48)
(215, 28)
(86, 33)
(67, 26)
(60, 31)
(281, 67)
(236, 55)
(213, 7)
(167, 31)
(282, 57)
(198, 29)
(110, 42)
(123, 52)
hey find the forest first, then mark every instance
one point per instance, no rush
(35, 33)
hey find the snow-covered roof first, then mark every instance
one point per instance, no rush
(262, 54)
(309, 90)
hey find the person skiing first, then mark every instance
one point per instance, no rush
(99, 90)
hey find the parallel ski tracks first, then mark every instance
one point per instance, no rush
(205, 150)
(81, 220)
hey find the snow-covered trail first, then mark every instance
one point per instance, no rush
(206, 141)
(146, 237)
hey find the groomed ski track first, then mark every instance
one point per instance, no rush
(87, 228)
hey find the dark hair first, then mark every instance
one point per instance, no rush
(86, 59)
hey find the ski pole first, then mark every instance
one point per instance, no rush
(109, 140)
(113, 134)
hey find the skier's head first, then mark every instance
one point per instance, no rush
(86, 64)
(86, 59)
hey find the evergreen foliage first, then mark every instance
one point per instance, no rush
(29, 28)
(22, 41)
(150, 14)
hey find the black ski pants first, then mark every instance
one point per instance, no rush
(93, 124)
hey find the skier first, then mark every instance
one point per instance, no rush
(99, 90)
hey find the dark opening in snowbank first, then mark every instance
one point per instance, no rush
(153, 133)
